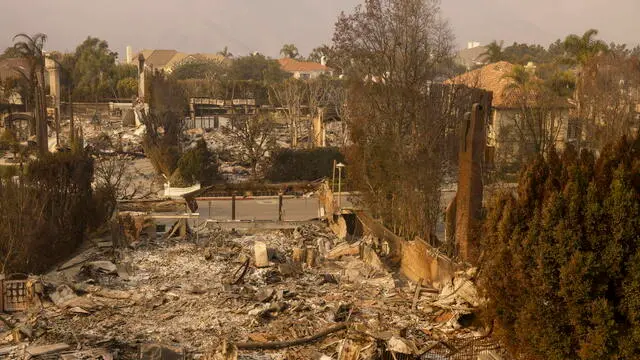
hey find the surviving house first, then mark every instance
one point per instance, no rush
(473, 56)
(304, 69)
(168, 60)
(159, 59)
(182, 58)
(520, 123)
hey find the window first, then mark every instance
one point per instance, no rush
(573, 129)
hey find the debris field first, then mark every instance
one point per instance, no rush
(301, 294)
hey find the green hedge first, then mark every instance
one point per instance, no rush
(197, 165)
(300, 165)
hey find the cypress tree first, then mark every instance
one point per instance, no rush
(562, 273)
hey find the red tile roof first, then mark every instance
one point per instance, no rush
(493, 77)
(293, 65)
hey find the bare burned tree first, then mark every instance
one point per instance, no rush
(608, 95)
(255, 136)
(290, 95)
(114, 173)
(336, 97)
(538, 121)
(317, 94)
(399, 42)
(164, 123)
(113, 178)
(22, 210)
(328, 94)
(316, 98)
(397, 122)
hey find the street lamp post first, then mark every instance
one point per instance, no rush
(340, 166)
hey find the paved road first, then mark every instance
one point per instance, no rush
(260, 209)
(294, 209)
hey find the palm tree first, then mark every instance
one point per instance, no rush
(31, 49)
(580, 50)
(520, 78)
(289, 50)
(225, 53)
(494, 52)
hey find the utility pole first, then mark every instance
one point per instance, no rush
(333, 179)
(340, 166)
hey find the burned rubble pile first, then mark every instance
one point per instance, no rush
(270, 295)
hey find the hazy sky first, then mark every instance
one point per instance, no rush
(264, 25)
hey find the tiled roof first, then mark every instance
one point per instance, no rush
(157, 59)
(169, 59)
(176, 60)
(489, 77)
(493, 77)
(182, 58)
(293, 65)
(146, 53)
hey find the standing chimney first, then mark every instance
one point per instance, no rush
(141, 78)
(129, 54)
(54, 91)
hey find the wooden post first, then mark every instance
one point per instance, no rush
(299, 255)
(233, 207)
(311, 257)
(280, 207)
(416, 294)
(192, 113)
(209, 209)
(2, 292)
(72, 126)
(183, 227)
(339, 188)
(57, 117)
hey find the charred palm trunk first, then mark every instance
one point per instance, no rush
(72, 128)
(41, 116)
(33, 91)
